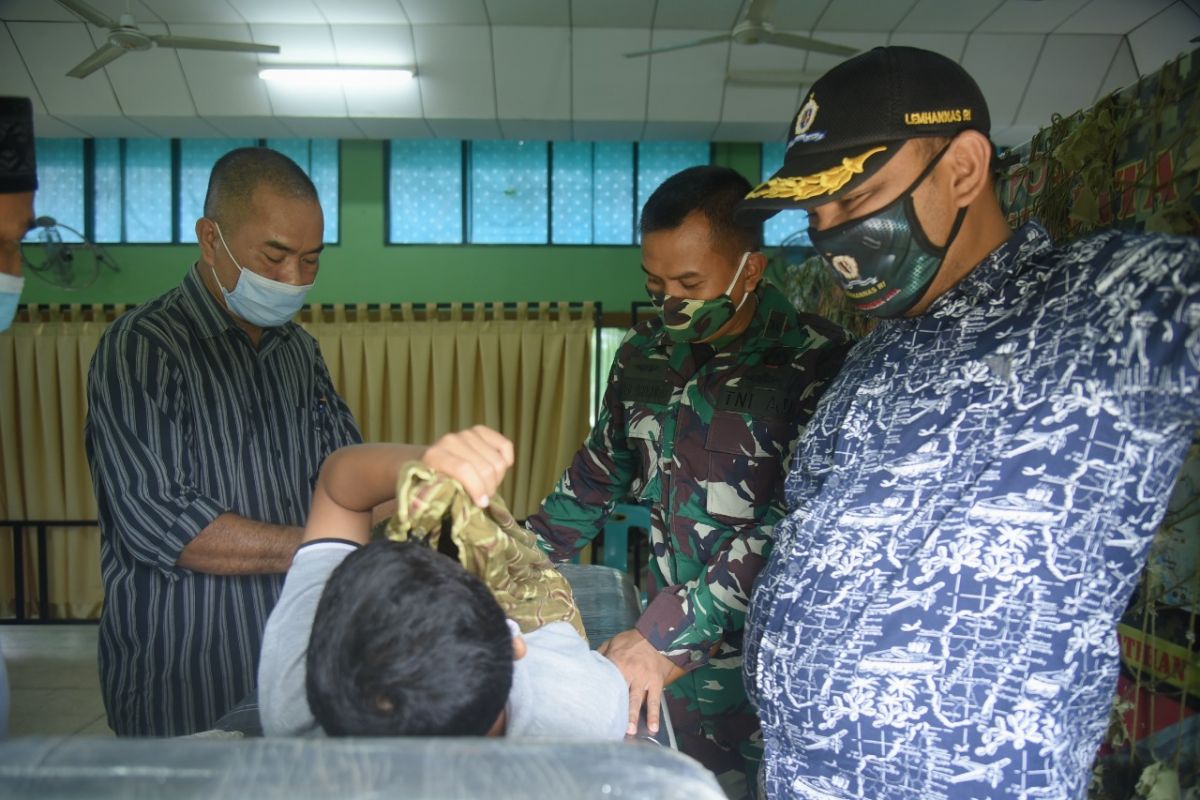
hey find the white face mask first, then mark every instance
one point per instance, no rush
(10, 294)
(258, 300)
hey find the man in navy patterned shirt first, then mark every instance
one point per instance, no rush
(972, 503)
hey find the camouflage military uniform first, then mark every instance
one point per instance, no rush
(703, 435)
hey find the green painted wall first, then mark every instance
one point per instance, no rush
(362, 269)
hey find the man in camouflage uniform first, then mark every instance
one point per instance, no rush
(704, 405)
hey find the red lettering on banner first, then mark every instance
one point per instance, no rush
(1163, 192)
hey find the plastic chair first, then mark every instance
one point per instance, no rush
(616, 533)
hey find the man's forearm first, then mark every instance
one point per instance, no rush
(235, 545)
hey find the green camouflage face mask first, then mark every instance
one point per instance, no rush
(687, 320)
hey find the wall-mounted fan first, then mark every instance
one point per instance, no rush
(68, 265)
(756, 28)
(124, 35)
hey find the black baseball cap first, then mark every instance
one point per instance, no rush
(857, 115)
(18, 169)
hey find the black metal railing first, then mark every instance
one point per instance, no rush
(41, 528)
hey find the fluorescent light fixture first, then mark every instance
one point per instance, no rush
(371, 77)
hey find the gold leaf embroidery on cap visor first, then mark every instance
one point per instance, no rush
(807, 186)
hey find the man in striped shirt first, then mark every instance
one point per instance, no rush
(210, 413)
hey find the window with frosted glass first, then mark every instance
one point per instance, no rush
(425, 192)
(107, 186)
(131, 197)
(147, 194)
(509, 193)
(592, 189)
(60, 184)
(196, 159)
(658, 161)
(319, 160)
(786, 223)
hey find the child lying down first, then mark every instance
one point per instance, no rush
(403, 636)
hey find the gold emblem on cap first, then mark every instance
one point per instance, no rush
(809, 186)
(807, 115)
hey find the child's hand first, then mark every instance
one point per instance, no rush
(477, 458)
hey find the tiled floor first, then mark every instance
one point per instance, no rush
(53, 680)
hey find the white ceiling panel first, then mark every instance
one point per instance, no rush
(362, 12)
(176, 127)
(856, 15)
(54, 128)
(535, 129)
(454, 66)
(403, 102)
(186, 11)
(36, 11)
(374, 45)
(1066, 55)
(734, 131)
(606, 85)
(612, 14)
(105, 126)
(223, 84)
(686, 84)
(275, 12)
(821, 62)
(595, 130)
(1112, 16)
(1164, 37)
(804, 16)
(533, 73)
(323, 127)
(947, 16)
(251, 127)
(298, 44)
(1001, 65)
(950, 45)
(707, 15)
(50, 49)
(15, 80)
(394, 128)
(445, 12)
(517, 13)
(755, 104)
(150, 83)
(1121, 72)
(1023, 16)
(306, 101)
(676, 131)
(464, 128)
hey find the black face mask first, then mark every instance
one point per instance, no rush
(884, 262)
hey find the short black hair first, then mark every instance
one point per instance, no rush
(713, 191)
(405, 642)
(239, 172)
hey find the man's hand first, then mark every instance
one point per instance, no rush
(645, 670)
(477, 458)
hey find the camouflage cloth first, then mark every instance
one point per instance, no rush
(703, 435)
(489, 544)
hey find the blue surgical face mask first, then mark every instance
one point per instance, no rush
(259, 300)
(10, 294)
(884, 262)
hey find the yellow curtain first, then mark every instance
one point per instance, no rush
(411, 374)
(408, 374)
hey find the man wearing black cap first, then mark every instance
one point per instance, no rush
(971, 505)
(18, 180)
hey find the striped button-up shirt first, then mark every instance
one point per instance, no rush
(187, 420)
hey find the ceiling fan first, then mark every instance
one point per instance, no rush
(756, 29)
(124, 36)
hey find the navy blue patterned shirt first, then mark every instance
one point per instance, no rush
(970, 510)
(187, 420)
